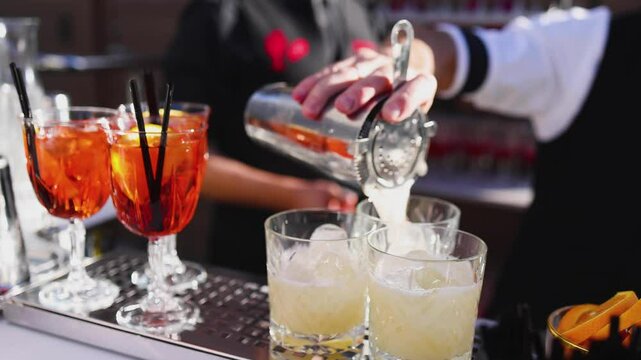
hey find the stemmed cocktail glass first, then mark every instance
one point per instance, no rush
(182, 275)
(68, 164)
(156, 175)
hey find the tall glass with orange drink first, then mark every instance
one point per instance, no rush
(182, 275)
(70, 175)
(157, 199)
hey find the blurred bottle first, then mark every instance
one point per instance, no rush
(14, 269)
(19, 44)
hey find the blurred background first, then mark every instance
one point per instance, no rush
(88, 49)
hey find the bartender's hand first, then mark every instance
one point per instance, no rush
(324, 194)
(231, 181)
(361, 78)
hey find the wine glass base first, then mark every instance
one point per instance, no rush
(183, 316)
(179, 282)
(91, 295)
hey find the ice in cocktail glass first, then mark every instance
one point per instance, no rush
(156, 199)
(423, 295)
(317, 279)
(68, 166)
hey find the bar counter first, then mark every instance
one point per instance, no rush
(21, 343)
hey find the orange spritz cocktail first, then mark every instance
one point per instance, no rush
(155, 189)
(182, 175)
(68, 165)
(73, 161)
(183, 275)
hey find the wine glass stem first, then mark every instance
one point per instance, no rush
(171, 254)
(77, 234)
(159, 298)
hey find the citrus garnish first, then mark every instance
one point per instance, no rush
(574, 315)
(600, 317)
(627, 319)
(152, 132)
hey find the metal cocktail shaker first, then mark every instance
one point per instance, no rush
(14, 268)
(361, 150)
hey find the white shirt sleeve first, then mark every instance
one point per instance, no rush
(543, 67)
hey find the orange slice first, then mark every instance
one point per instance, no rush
(626, 320)
(152, 132)
(576, 314)
(615, 306)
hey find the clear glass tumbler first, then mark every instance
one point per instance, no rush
(423, 297)
(317, 279)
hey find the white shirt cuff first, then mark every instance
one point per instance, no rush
(462, 61)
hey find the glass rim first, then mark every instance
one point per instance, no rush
(204, 107)
(457, 210)
(557, 335)
(40, 115)
(93, 109)
(205, 110)
(120, 132)
(481, 253)
(268, 229)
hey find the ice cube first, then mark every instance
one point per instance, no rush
(428, 278)
(419, 255)
(329, 232)
(332, 267)
(395, 271)
(324, 237)
(296, 264)
(443, 274)
(460, 273)
(320, 262)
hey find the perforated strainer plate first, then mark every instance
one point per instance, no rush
(396, 149)
(391, 154)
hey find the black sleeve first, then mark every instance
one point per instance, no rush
(191, 62)
(367, 21)
(478, 62)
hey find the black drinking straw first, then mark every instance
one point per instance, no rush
(18, 81)
(30, 131)
(163, 136)
(150, 93)
(144, 146)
